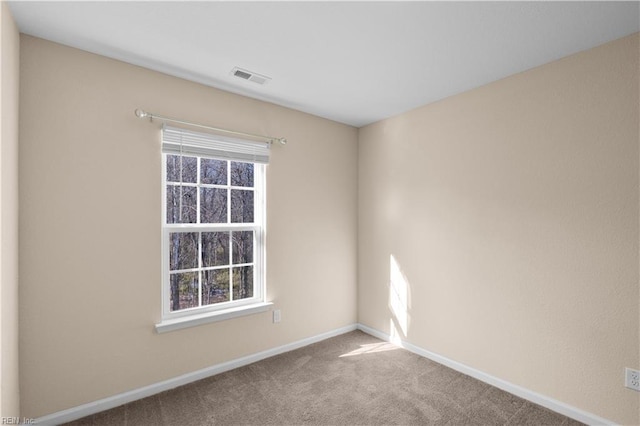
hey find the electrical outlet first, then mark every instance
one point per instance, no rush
(632, 379)
(276, 316)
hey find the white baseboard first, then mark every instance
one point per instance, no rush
(133, 395)
(550, 403)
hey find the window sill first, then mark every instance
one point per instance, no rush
(199, 319)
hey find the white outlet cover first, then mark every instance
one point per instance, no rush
(632, 379)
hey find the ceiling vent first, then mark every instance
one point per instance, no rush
(250, 76)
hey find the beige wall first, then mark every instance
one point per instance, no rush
(9, 83)
(90, 227)
(511, 212)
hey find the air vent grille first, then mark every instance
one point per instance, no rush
(250, 76)
(242, 74)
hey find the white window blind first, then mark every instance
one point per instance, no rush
(188, 142)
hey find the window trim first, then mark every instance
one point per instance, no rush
(208, 317)
(224, 310)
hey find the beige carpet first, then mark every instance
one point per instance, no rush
(352, 379)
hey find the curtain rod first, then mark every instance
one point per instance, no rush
(142, 114)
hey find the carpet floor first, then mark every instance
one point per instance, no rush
(352, 379)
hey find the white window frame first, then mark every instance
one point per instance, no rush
(223, 310)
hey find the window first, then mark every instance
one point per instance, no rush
(213, 223)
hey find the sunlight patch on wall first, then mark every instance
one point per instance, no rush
(398, 301)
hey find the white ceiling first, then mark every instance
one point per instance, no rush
(352, 62)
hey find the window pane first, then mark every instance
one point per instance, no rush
(215, 286)
(241, 206)
(213, 172)
(213, 205)
(242, 282)
(183, 250)
(184, 290)
(241, 174)
(242, 247)
(189, 168)
(189, 204)
(215, 248)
